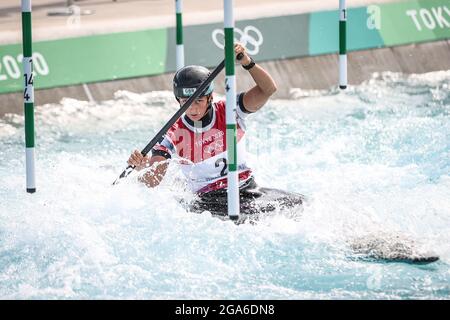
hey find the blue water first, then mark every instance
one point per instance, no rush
(373, 160)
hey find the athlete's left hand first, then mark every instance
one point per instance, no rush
(239, 48)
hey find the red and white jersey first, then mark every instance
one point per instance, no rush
(202, 149)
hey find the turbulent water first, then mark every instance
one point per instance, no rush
(372, 160)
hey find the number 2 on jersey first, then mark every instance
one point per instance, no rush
(223, 172)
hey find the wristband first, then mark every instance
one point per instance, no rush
(250, 65)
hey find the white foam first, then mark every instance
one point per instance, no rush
(373, 159)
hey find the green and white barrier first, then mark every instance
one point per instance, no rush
(151, 52)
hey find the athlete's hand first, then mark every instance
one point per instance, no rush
(138, 160)
(239, 48)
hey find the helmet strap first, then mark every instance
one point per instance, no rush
(209, 103)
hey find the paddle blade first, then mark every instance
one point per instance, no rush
(124, 174)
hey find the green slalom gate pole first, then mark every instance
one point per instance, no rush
(342, 45)
(231, 135)
(179, 28)
(28, 95)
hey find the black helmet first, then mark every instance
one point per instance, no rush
(188, 79)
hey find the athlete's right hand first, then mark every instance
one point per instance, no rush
(138, 160)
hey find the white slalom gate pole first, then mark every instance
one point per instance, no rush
(28, 95)
(231, 135)
(179, 32)
(342, 45)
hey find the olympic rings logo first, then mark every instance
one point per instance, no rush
(216, 146)
(250, 35)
